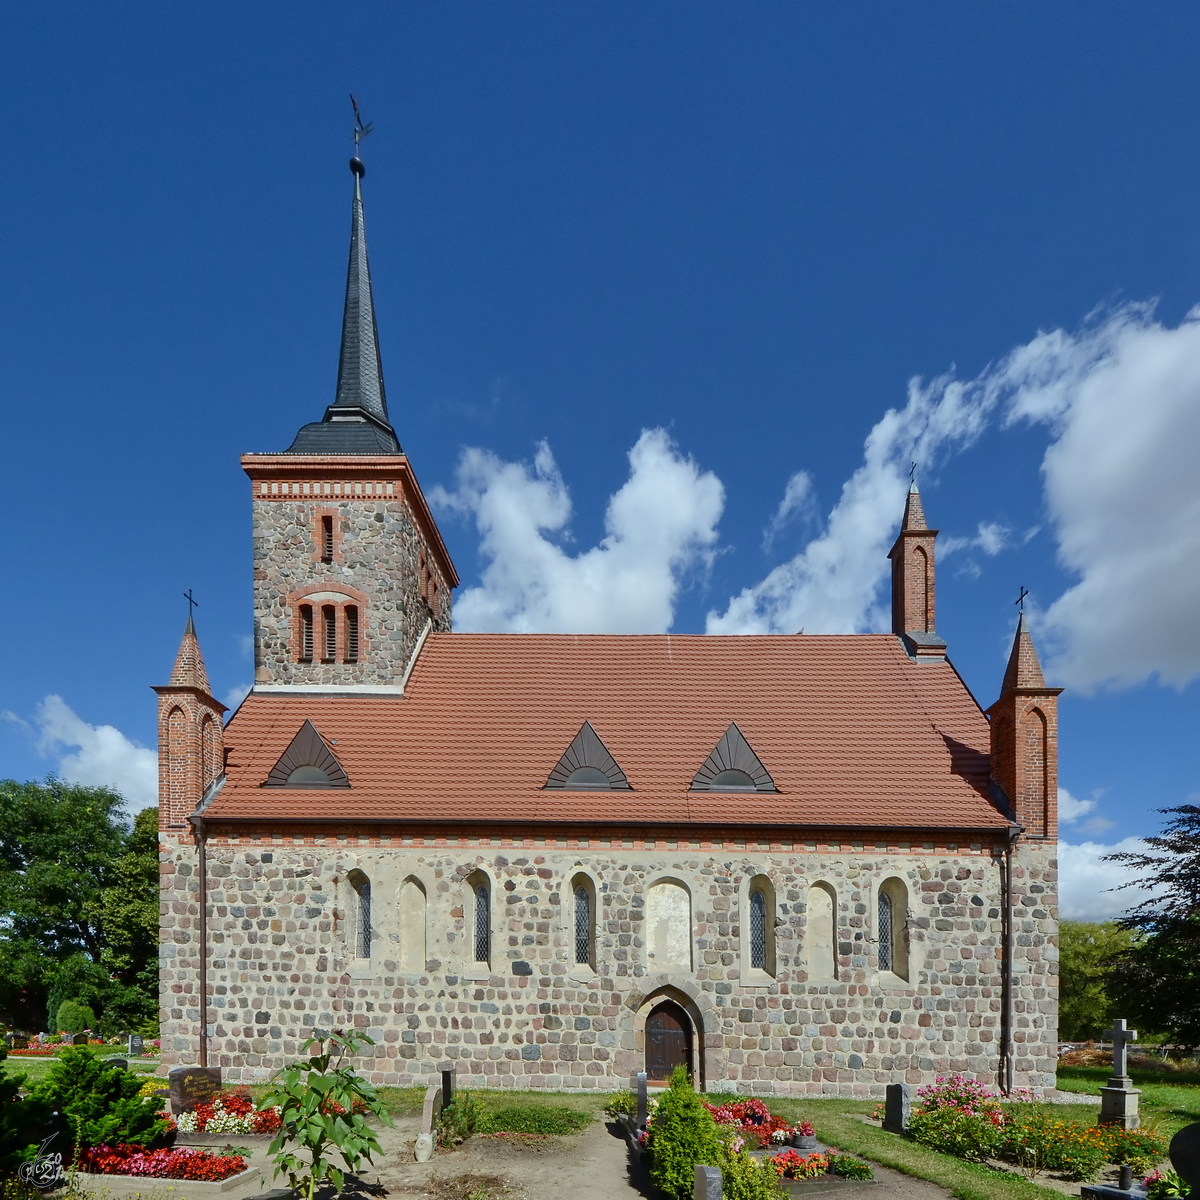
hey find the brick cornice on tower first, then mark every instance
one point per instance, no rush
(1024, 740)
(913, 582)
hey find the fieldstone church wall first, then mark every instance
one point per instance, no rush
(281, 937)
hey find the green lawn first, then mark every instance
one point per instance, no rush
(1169, 1100)
(35, 1068)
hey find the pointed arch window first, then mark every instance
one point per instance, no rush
(359, 923)
(483, 923)
(758, 929)
(891, 928)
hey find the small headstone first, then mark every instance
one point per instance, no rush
(447, 1088)
(136, 1045)
(121, 1064)
(1185, 1154)
(190, 1086)
(643, 1103)
(897, 1107)
(14, 1041)
(708, 1183)
(80, 1039)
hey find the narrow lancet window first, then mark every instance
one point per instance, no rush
(329, 633)
(327, 539)
(306, 633)
(483, 932)
(583, 925)
(758, 930)
(351, 633)
(886, 932)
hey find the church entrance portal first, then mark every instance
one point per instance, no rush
(668, 1041)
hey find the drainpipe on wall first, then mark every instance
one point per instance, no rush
(202, 870)
(1007, 1048)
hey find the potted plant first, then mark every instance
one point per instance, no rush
(803, 1137)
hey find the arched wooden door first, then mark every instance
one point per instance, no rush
(668, 1041)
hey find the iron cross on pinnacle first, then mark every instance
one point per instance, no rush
(1121, 1037)
(1020, 600)
(192, 604)
(361, 129)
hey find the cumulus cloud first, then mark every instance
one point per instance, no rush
(1070, 808)
(236, 695)
(798, 502)
(1121, 398)
(660, 525)
(833, 584)
(96, 755)
(1085, 882)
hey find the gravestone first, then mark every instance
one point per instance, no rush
(708, 1183)
(14, 1041)
(190, 1086)
(447, 1088)
(121, 1064)
(1185, 1154)
(643, 1104)
(136, 1045)
(80, 1039)
(1119, 1101)
(897, 1107)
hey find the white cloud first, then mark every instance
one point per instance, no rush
(236, 695)
(96, 755)
(1070, 809)
(660, 525)
(798, 501)
(832, 585)
(1123, 494)
(991, 537)
(1085, 882)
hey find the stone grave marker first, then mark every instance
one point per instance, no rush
(708, 1183)
(897, 1107)
(190, 1086)
(1119, 1101)
(122, 1064)
(135, 1046)
(1185, 1154)
(80, 1039)
(14, 1041)
(642, 1108)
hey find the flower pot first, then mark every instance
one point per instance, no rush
(801, 1141)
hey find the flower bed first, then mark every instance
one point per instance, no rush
(963, 1118)
(753, 1120)
(230, 1112)
(196, 1165)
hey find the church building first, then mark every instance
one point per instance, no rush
(802, 865)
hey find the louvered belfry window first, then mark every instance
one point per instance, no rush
(583, 925)
(758, 930)
(329, 633)
(483, 933)
(327, 539)
(306, 633)
(351, 633)
(886, 932)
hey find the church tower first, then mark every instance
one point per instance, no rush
(349, 567)
(191, 741)
(913, 584)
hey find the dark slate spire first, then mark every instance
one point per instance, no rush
(357, 420)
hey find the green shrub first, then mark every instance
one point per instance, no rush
(98, 1104)
(972, 1135)
(682, 1134)
(459, 1119)
(621, 1104)
(746, 1178)
(534, 1118)
(1166, 1185)
(73, 1017)
(23, 1124)
(849, 1167)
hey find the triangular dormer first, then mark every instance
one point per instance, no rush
(307, 763)
(587, 766)
(733, 767)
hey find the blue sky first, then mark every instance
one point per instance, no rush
(723, 238)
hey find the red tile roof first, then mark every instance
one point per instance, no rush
(854, 733)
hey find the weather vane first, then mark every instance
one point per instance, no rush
(360, 129)
(192, 604)
(1020, 600)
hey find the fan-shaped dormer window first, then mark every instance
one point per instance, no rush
(587, 766)
(733, 767)
(307, 763)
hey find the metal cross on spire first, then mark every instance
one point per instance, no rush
(912, 473)
(1020, 600)
(361, 129)
(192, 604)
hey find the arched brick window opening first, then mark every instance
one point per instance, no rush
(306, 633)
(328, 633)
(208, 751)
(583, 922)
(359, 913)
(669, 926)
(412, 925)
(327, 539)
(822, 932)
(351, 611)
(921, 565)
(478, 918)
(892, 927)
